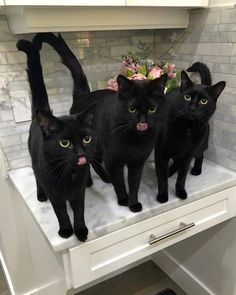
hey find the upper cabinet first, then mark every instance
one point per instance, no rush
(1, 2)
(168, 3)
(66, 2)
(28, 16)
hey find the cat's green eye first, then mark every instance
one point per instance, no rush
(87, 139)
(203, 101)
(65, 143)
(152, 110)
(132, 109)
(187, 97)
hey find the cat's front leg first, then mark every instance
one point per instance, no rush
(59, 207)
(134, 178)
(197, 168)
(183, 166)
(116, 173)
(161, 164)
(77, 205)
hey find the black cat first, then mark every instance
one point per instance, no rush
(126, 123)
(60, 149)
(185, 130)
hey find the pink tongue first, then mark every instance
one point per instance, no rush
(81, 161)
(142, 126)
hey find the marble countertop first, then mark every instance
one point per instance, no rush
(102, 213)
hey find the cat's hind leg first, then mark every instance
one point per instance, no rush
(197, 167)
(41, 196)
(116, 173)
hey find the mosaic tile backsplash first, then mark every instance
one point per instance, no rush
(210, 37)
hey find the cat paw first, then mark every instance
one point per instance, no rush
(123, 202)
(65, 232)
(196, 171)
(89, 182)
(181, 193)
(162, 198)
(81, 233)
(136, 207)
(42, 197)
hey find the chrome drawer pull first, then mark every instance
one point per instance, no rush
(183, 226)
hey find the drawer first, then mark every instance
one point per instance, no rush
(104, 255)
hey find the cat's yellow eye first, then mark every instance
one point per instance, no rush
(65, 143)
(132, 109)
(87, 139)
(204, 101)
(187, 97)
(152, 110)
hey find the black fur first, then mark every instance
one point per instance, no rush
(184, 133)
(61, 172)
(120, 119)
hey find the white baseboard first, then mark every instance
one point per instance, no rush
(180, 274)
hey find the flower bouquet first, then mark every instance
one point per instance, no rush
(138, 66)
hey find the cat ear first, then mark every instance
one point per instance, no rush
(185, 81)
(87, 115)
(159, 84)
(47, 122)
(216, 89)
(124, 84)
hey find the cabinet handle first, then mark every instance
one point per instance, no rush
(183, 226)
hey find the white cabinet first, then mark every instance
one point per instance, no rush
(169, 3)
(104, 255)
(119, 238)
(2, 2)
(66, 3)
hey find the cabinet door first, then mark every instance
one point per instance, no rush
(66, 2)
(169, 3)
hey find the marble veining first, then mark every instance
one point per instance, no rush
(102, 213)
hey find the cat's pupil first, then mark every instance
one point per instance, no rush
(152, 110)
(203, 101)
(187, 97)
(87, 139)
(132, 109)
(64, 143)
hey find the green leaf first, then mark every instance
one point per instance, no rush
(129, 73)
(142, 70)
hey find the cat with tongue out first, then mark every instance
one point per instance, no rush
(126, 124)
(126, 127)
(61, 150)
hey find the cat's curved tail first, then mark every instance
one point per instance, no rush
(204, 72)
(69, 60)
(35, 76)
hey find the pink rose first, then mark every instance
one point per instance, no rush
(170, 68)
(112, 84)
(137, 77)
(154, 73)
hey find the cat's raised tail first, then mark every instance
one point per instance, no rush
(204, 72)
(35, 76)
(68, 59)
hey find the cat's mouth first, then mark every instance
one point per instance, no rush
(142, 127)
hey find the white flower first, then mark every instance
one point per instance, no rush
(3, 83)
(174, 37)
(172, 52)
